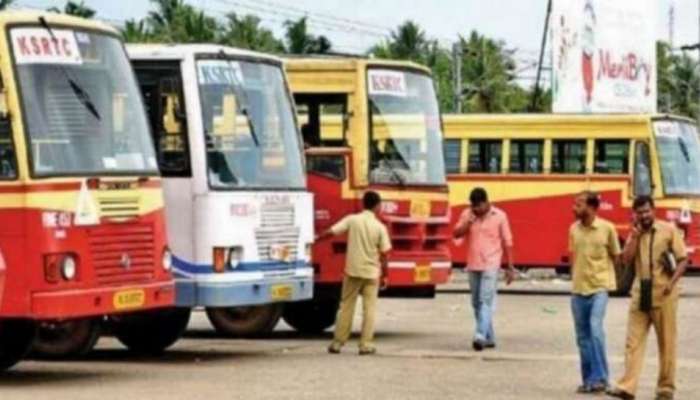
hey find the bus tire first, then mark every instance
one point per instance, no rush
(311, 317)
(250, 321)
(66, 339)
(624, 276)
(16, 339)
(151, 332)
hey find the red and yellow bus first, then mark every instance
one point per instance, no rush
(372, 125)
(534, 165)
(81, 210)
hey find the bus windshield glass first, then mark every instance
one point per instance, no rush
(679, 156)
(82, 109)
(406, 141)
(251, 137)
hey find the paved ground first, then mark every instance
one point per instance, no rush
(424, 347)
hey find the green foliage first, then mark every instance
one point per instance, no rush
(72, 8)
(5, 4)
(678, 82)
(300, 41)
(246, 32)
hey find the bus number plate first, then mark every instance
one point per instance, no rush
(129, 299)
(281, 292)
(422, 274)
(420, 209)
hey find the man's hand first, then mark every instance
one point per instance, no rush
(383, 282)
(511, 274)
(668, 289)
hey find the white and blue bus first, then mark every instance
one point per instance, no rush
(239, 217)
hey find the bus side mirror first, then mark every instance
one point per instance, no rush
(225, 123)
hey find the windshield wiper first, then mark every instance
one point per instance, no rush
(80, 93)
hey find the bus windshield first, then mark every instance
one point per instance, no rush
(406, 141)
(82, 109)
(679, 156)
(251, 137)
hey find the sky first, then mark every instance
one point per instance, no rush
(355, 25)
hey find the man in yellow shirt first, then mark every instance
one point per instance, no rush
(595, 248)
(365, 266)
(654, 247)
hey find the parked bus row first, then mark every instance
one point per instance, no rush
(127, 200)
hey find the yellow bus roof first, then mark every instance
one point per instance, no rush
(338, 63)
(32, 17)
(547, 125)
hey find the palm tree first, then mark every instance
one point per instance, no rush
(4, 4)
(175, 21)
(300, 41)
(136, 31)
(247, 33)
(76, 9)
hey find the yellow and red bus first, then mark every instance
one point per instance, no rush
(372, 125)
(534, 165)
(82, 230)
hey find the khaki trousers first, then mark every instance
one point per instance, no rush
(353, 287)
(663, 319)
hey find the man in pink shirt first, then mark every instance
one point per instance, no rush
(488, 233)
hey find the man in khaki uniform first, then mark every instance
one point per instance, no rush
(650, 242)
(366, 263)
(595, 248)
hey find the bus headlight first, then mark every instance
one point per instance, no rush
(167, 260)
(69, 267)
(235, 256)
(279, 252)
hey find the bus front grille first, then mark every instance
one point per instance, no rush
(277, 228)
(122, 254)
(119, 208)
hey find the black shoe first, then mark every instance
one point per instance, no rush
(490, 345)
(620, 394)
(478, 345)
(368, 351)
(664, 396)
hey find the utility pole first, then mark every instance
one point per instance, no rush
(457, 74)
(536, 91)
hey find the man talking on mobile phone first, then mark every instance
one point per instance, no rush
(365, 271)
(658, 253)
(488, 232)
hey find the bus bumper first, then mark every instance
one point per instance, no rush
(81, 303)
(412, 273)
(276, 282)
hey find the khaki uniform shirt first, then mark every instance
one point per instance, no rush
(666, 237)
(367, 238)
(594, 250)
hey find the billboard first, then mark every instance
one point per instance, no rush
(603, 56)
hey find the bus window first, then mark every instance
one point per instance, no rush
(642, 170)
(8, 163)
(526, 156)
(331, 166)
(611, 157)
(569, 156)
(162, 92)
(323, 119)
(453, 154)
(485, 156)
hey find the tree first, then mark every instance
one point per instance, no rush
(76, 9)
(137, 31)
(678, 82)
(175, 21)
(300, 41)
(247, 33)
(4, 4)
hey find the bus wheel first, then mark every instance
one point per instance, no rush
(245, 321)
(311, 317)
(625, 278)
(16, 338)
(66, 339)
(151, 332)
